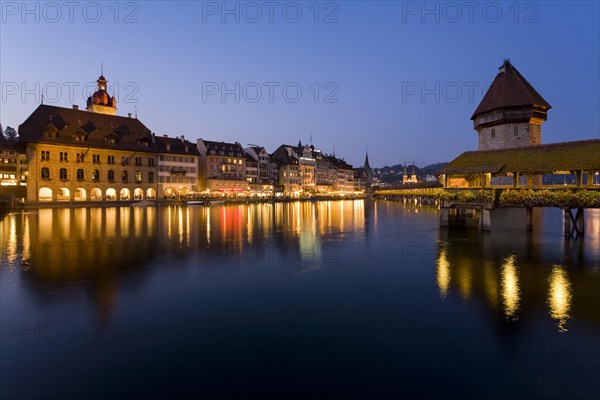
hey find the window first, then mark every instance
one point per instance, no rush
(80, 157)
(151, 162)
(516, 130)
(64, 156)
(48, 134)
(63, 174)
(95, 175)
(96, 158)
(125, 176)
(45, 155)
(45, 173)
(138, 176)
(111, 159)
(138, 161)
(150, 177)
(493, 133)
(124, 160)
(111, 175)
(80, 174)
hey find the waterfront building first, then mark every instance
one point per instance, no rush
(76, 155)
(259, 171)
(13, 169)
(178, 162)
(222, 167)
(289, 182)
(325, 173)
(307, 165)
(344, 182)
(511, 112)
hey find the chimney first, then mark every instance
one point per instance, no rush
(182, 138)
(75, 107)
(166, 136)
(128, 115)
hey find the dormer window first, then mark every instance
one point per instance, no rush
(49, 134)
(111, 138)
(168, 147)
(80, 136)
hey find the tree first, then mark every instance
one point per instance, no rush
(1, 132)
(10, 133)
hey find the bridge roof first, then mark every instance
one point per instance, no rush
(582, 155)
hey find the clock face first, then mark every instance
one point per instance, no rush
(102, 87)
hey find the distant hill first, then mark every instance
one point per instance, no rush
(393, 174)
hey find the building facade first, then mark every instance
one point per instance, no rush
(178, 162)
(289, 178)
(76, 155)
(259, 171)
(222, 167)
(13, 169)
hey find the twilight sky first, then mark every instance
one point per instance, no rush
(401, 77)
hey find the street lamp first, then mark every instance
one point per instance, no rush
(596, 181)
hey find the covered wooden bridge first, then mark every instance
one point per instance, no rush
(517, 175)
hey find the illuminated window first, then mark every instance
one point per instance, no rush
(138, 177)
(125, 176)
(95, 175)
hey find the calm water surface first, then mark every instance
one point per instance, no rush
(329, 299)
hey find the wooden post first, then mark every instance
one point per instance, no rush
(488, 180)
(485, 223)
(529, 180)
(516, 179)
(529, 211)
(567, 223)
(579, 178)
(444, 216)
(580, 222)
(590, 176)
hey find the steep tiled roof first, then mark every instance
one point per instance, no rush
(565, 156)
(510, 89)
(339, 163)
(177, 146)
(236, 147)
(96, 127)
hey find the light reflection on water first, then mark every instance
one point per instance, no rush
(511, 293)
(361, 269)
(559, 297)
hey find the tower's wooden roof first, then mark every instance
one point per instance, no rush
(510, 89)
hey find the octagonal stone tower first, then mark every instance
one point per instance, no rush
(511, 113)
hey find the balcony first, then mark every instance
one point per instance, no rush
(175, 171)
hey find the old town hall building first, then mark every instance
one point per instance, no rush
(92, 155)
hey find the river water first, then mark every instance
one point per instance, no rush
(328, 299)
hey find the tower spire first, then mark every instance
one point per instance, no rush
(367, 166)
(102, 69)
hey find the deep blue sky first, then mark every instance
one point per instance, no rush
(376, 55)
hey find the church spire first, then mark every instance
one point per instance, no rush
(367, 166)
